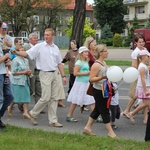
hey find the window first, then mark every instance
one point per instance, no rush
(36, 19)
(139, 9)
(24, 34)
(47, 18)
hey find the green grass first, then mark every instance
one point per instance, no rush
(17, 138)
(110, 63)
(118, 63)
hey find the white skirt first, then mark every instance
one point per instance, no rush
(78, 94)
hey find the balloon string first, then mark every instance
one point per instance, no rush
(120, 83)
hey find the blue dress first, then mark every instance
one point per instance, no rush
(20, 83)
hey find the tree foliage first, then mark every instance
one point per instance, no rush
(87, 31)
(110, 12)
(106, 32)
(135, 25)
(16, 13)
(148, 22)
(20, 13)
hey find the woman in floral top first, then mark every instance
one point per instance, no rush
(20, 83)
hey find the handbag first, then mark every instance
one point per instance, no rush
(89, 90)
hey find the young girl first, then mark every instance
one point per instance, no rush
(77, 95)
(143, 84)
(20, 83)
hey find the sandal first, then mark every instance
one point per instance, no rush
(71, 119)
(131, 117)
(125, 114)
(89, 133)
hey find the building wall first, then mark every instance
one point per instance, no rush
(142, 15)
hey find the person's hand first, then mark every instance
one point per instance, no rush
(64, 80)
(7, 62)
(13, 51)
(5, 41)
(104, 76)
(26, 71)
(147, 93)
(7, 56)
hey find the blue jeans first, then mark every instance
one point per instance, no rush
(6, 95)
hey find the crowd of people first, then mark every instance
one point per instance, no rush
(36, 69)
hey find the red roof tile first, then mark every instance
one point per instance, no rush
(72, 5)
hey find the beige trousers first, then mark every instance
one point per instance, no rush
(48, 98)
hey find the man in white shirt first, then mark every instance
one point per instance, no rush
(48, 58)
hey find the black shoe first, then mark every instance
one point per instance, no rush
(2, 125)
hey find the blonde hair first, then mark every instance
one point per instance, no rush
(51, 30)
(88, 41)
(80, 57)
(19, 47)
(99, 48)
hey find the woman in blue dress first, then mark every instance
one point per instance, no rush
(20, 83)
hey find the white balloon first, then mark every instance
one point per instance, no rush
(130, 75)
(114, 73)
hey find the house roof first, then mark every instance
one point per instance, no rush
(70, 6)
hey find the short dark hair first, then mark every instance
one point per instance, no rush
(139, 36)
(16, 40)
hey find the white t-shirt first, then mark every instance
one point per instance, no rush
(147, 78)
(115, 98)
(47, 56)
(135, 53)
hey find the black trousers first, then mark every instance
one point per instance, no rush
(100, 106)
(147, 133)
(115, 112)
(71, 82)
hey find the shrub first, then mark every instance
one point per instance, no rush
(108, 41)
(126, 42)
(117, 40)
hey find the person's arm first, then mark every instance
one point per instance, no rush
(5, 57)
(134, 63)
(65, 59)
(24, 72)
(142, 74)
(78, 73)
(94, 72)
(7, 43)
(22, 53)
(61, 69)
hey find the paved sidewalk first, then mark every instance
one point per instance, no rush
(127, 130)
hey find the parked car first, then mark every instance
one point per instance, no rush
(146, 33)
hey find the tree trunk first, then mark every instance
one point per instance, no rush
(78, 21)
